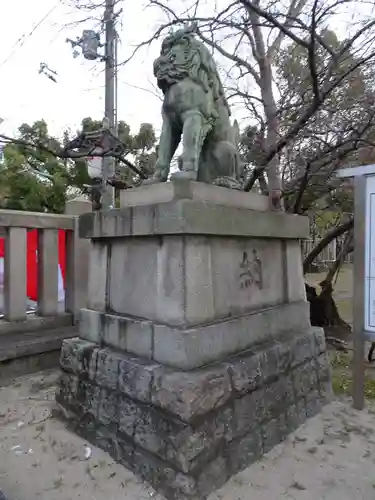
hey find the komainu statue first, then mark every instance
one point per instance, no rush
(195, 108)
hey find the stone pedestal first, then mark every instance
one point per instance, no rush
(196, 354)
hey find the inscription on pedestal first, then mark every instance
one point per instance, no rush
(251, 272)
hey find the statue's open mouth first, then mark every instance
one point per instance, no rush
(165, 80)
(163, 84)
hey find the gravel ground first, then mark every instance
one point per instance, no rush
(331, 457)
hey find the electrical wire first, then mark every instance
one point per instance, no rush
(23, 38)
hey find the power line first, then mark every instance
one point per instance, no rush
(23, 38)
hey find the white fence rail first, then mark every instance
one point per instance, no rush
(329, 253)
(14, 301)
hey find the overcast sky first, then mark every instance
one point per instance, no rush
(26, 95)
(34, 32)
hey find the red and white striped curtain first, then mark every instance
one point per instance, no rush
(32, 264)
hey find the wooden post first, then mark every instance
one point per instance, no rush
(358, 292)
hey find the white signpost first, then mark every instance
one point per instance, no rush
(363, 272)
(369, 305)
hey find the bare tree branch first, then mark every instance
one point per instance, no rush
(254, 7)
(303, 119)
(330, 236)
(63, 153)
(311, 53)
(294, 10)
(347, 245)
(232, 57)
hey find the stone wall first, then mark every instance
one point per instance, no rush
(188, 432)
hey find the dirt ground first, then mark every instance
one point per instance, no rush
(331, 457)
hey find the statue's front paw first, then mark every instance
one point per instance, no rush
(160, 175)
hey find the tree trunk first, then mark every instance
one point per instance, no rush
(323, 308)
(330, 236)
(263, 59)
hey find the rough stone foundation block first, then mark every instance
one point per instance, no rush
(188, 348)
(187, 432)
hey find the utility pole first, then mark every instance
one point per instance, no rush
(109, 164)
(90, 43)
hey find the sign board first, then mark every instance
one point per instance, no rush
(363, 272)
(94, 166)
(369, 305)
(368, 279)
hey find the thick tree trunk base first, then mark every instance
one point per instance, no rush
(324, 313)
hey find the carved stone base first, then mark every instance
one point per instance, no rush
(187, 432)
(192, 347)
(190, 175)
